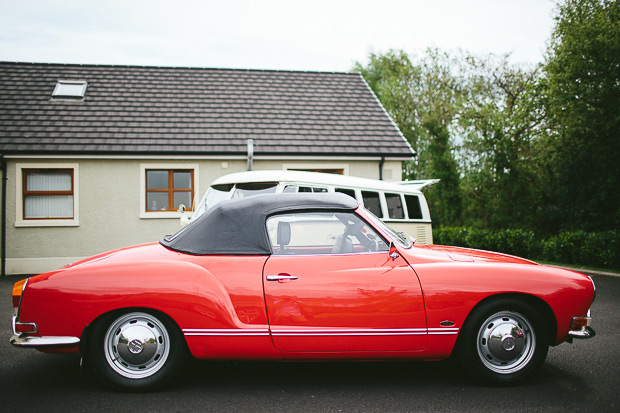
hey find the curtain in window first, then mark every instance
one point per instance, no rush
(49, 206)
(41, 202)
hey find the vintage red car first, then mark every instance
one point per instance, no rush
(299, 277)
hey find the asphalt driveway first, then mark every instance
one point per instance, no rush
(584, 376)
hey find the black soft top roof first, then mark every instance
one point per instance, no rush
(237, 227)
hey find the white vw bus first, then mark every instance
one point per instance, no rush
(401, 204)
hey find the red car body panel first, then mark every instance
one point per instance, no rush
(363, 306)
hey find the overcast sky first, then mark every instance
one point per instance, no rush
(325, 35)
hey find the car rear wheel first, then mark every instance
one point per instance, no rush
(503, 342)
(136, 350)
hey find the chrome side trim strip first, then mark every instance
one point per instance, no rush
(45, 341)
(225, 332)
(367, 332)
(320, 332)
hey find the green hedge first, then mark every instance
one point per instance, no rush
(598, 249)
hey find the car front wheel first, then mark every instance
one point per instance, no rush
(503, 342)
(136, 350)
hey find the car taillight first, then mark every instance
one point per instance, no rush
(18, 290)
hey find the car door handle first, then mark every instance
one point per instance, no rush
(280, 277)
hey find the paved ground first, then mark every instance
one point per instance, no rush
(584, 376)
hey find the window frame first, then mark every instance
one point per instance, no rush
(57, 93)
(21, 193)
(144, 213)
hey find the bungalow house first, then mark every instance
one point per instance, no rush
(98, 157)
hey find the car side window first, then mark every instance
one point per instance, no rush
(322, 233)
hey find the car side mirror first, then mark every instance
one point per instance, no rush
(393, 252)
(181, 208)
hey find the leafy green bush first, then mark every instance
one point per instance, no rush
(597, 249)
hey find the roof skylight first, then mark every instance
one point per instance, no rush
(70, 89)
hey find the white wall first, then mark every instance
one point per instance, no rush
(109, 207)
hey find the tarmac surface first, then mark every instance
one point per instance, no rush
(583, 376)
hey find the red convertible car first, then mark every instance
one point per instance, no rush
(299, 277)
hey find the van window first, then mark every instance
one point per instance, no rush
(311, 189)
(372, 202)
(413, 207)
(296, 188)
(395, 206)
(254, 188)
(215, 194)
(345, 191)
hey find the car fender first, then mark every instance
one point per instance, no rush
(193, 296)
(452, 290)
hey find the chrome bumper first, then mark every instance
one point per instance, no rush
(23, 340)
(585, 332)
(50, 341)
(580, 327)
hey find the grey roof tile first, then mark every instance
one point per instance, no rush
(166, 110)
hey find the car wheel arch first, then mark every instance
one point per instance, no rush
(537, 303)
(104, 317)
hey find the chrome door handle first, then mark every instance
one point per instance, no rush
(280, 277)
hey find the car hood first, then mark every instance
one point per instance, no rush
(471, 255)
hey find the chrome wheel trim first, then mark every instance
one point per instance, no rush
(136, 345)
(506, 342)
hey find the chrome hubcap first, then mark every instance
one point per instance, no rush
(137, 345)
(506, 342)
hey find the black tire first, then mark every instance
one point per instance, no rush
(503, 342)
(136, 351)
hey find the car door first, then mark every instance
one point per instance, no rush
(331, 286)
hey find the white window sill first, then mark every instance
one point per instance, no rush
(48, 223)
(160, 215)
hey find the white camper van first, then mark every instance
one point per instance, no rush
(401, 204)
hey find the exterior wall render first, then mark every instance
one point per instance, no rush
(110, 207)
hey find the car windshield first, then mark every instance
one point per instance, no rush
(400, 237)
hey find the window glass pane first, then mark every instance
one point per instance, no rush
(323, 233)
(182, 180)
(244, 190)
(157, 201)
(290, 189)
(372, 202)
(69, 89)
(413, 207)
(304, 189)
(48, 181)
(184, 198)
(215, 194)
(395, 206)
(48, 206)
(157, 179)
(320, 190)
(346, 191)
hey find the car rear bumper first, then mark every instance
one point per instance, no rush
(24, 340)
(49, 341)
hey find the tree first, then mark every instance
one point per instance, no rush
(582, 96)
(423, 99)
(500, 125)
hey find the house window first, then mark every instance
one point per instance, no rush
(47, 195)
(166, 189)
(70, 89)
